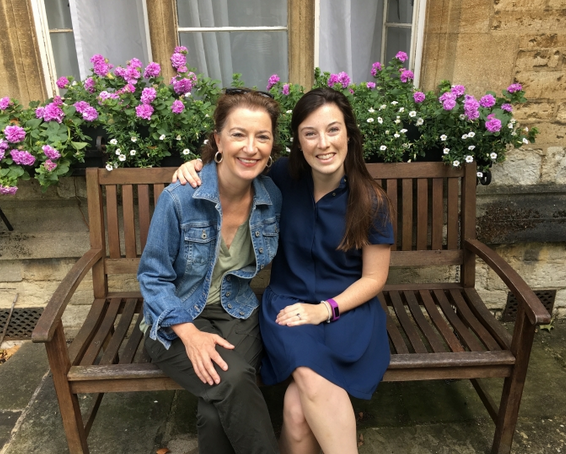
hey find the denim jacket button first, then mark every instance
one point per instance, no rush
(256, 233)
(196, 307)
(241, 313)
(229, 306)
(261, 250)
(261, 266)
(228, 278)
(227, 293)
(203, 235)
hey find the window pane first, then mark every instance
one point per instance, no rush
(224, 13)
(58, 14)
(400, 11)
(399, 39)
(65, 55)
(255, 55)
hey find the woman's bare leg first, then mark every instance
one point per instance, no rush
(296, 435)
(328, 411)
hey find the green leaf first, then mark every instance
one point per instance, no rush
(79, 145)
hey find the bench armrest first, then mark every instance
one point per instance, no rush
(53, 312)
(534, 309)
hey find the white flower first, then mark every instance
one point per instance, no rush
(419, 122)
(412, 113)
(371, 110)
(109, 167)
(74, 83)
(178, 138)
(403, 131)
(113, 141)
(387, 131)
(383, 148)
(291, 139)
(287, 149)
(397, 121)
(471, 147)
(513, 133)
(380, 120)
(465, 136)
(407, 145)
(526, 129)
(525, 141)
(471, 134)
(118, 152)
(205, 141)
(162, 137)
(370, 120)
(186, 151)
(134, 139)
(132, 152)
(402, 109)
(396, 135)
(189, 94)
(493, 156)
(394, 103)
(289, 112)
(122, 157)
(456, 163)
(446, 150)
(383, 106)
(469, 159)
(462, 117)
(479, 174)
(510, 125)
(512, 121)
(443, 137)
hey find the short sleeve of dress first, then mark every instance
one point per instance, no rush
(382, 231)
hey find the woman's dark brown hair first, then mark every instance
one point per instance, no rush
(248, 99)
(367, 200)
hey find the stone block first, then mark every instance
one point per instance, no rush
(543, 84)
(519, 23)
(539, 59)
(560, 300)
(11, 271)
(521, 165)
(551, 133)
(561, 112)
(535, 110)
(72, 187)
(554, 166)
(51, 269)
(542, 41)
(515, 5)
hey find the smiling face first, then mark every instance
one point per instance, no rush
(324, 141)
(245, 142)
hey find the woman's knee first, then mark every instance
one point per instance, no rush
(309, 382)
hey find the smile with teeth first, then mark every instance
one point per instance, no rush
(248, 161)
(325, 156)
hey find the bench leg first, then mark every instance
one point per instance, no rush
(513, 386)
(68, 402)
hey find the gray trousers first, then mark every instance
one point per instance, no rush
(232, 416)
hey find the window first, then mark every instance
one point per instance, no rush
(353, 34)
(72, 31)
(226, 37)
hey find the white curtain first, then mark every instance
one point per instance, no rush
(254, 54)
(114, 28)
(350, 36)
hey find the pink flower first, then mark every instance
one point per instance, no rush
(23, 157)
(39, 112)
(375, 68)
(419, 96)
(14, 133)
(51, 152)
(144, 111)
(182, 86)
(90, 114)
(285, 89)
(492, 124)
(272, 81)
(514, 87)
(8, 190)
(63, 82)
(406, 76)
(152, 70)
(89, 85)
(81, 106)
(458, 90)
(181, 50)
(135, 63)
(178, 60)
(177, 106)
(53, 112)
(148, 95)
(4, 103)
(487, 101)
(341, 78)
(401, 56)
(50, 165)
(507, 107)
(448, 100)
(471, 108)
(370, 85)
(101, 66)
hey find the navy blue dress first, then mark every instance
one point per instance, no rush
(352, 352)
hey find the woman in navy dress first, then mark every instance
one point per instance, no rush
(321, 322)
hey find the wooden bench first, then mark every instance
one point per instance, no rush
(436, 330)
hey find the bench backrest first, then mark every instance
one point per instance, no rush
(435, 209)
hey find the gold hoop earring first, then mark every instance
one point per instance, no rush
(269, 162)
(218, 159)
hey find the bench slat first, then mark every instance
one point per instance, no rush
(406, 323)
(432, 338)
(129, 221)
(496, 329)
(112, 350)
(397, 341)
(102, 335)
(440, 322)
(422, 214)
(437, 214)
(133, 343)
(82, 340)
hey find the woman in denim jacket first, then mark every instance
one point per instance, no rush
(204, 247)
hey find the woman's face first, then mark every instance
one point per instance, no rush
(245, 142)
(324, 140)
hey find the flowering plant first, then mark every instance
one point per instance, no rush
(143, 118)
(401, 123)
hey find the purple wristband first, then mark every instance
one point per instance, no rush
(335, 309)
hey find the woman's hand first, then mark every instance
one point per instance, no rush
(201, 350)
(187, 173)
(302, 314)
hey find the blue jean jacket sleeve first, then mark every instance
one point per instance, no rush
(157, 274)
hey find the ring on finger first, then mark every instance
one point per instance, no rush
(299, 316)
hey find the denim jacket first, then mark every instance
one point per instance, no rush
(182, 246)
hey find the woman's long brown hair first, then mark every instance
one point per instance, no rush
(367, 200)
